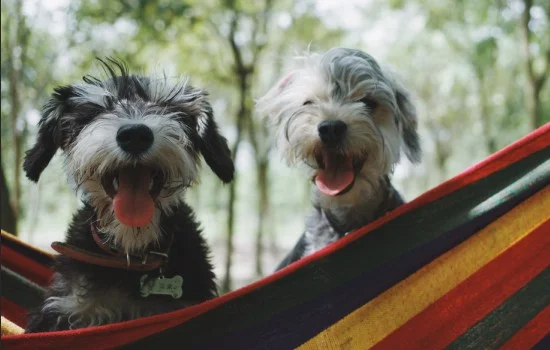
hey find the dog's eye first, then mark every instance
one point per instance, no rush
(370, 103)
(307, 102)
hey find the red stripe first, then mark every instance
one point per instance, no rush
(9, 237)
(535, 141)
(25, 266)
(13, 312)
(450, 316)
(122, 333)
(104, 337)
(531, 333)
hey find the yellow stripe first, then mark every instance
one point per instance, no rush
(10, 328)
(369, 324)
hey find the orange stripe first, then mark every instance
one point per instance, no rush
(531, 333)
(446, 319)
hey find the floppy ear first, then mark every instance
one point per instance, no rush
(409, 125)
(269, 105)
(284, 82)
(213, 145)
(281, 85)
(47, 142)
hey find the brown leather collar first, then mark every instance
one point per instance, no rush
(114, 258)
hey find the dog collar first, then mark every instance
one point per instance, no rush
(114, 258)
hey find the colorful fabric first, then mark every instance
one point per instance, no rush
(463, 266)
(449, 295)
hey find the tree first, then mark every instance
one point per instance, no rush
(198, 25)
(255, 23)
(220, 45)
(484, 38)
(535, 79)
(8, 216)
(28, 55)
(303, 28)
(133, 23)
(246, 57)
(15, 44)
(503, 19)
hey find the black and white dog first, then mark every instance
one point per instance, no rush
(132, 146)
(346, 120)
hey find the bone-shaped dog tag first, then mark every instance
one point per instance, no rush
(160, 285)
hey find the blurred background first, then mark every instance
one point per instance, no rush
(479, 71)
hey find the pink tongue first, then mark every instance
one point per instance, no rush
(133, 204)
(336, 177)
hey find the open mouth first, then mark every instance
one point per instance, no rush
(336, 173)
(134, 190)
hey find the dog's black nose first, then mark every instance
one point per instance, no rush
(332, 131)
(135, 138)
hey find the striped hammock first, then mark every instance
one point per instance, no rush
(465, 265)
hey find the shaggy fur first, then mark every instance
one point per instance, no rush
(85, 120)
(348, 89)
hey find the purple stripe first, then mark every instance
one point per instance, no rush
(293, 327)
(543, 344)
(408, 242)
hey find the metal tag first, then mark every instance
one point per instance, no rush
(160, 285)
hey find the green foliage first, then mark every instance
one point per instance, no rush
(153, 19)
(484, 54)
(463, 60)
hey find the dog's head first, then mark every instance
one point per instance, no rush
(132, 145)
(344, 117)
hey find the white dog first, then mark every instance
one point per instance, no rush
(346, 119)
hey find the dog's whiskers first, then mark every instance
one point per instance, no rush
(287, 124)
(352, 147)
(127, 138)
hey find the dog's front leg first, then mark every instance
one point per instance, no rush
(38, 321)
(296, 253)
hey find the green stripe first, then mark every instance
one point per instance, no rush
(387, 243)
(501, 324)
(20, 290)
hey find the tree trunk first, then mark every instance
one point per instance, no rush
(441, 157)
(534, 81)
(243, 73)
(534, 105)
(241, 116)
(441, 152)
(263, 208)
(227, 281)
(490, 142)
(17, 43)
(33, 212)
(8, 216)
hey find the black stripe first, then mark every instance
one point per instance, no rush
(503, 322)
(544, 343)
(29, 252)
(404, 234)
(302, 322)
(296, 325)
(20, 290)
